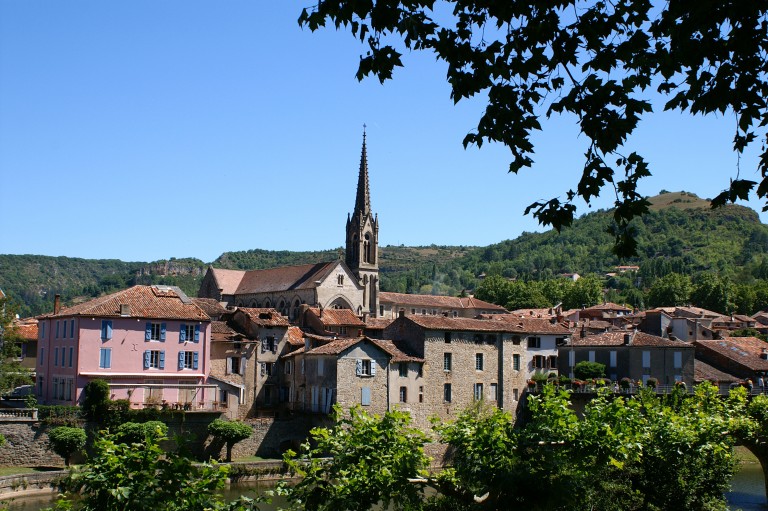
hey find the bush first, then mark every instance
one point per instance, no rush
(137, 432)
(60, 415)
(66, 441)
(230, 432)
(652, 383)
(625, 383)
(96, 402)
(586, 370)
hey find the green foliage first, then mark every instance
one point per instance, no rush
(66, 441)
(62, 415)
(137, 432)
(586, 370)
(139, 477)
(670, 290)
(230, 432)
(96, 402)
(359, 462)
(2, 440)
(714, 292)
(12, 373)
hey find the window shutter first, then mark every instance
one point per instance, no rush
(264, 345)
(359, 367)
(162, 359)
(109, 329)
(148, 332)
(146, 359)
(103, 328)
(229, 365)
(162, 332)
(365, 397)
(108, 358)
(274, 345)
(263, 368)
(181, 360)
(197, 333)
(243, 362)
(373, 368)
(194, 360)
(182, 333)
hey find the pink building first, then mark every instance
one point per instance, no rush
(151, 343)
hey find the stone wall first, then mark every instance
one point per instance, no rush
(26, 445)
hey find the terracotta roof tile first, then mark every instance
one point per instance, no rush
(705, 372)
(210, 306)
(337, 317)
(448, 302)
(221, 327)
(504, 323)
(150, 302)
(227, 280)
(26, 328)
(284, 278)
(340, 345)
(264, 316)
(377, 323)
(744, 350)
(295, 336)
(616, 338)
(608, 306)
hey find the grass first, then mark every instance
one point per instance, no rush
(249, 458)
(13, 471)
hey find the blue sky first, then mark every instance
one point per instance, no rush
(148, 129)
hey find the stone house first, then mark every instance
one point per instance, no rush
(392, 304)
(151, 343)
(744, 357)
(632, 354)
(332, 322)
(27, 330)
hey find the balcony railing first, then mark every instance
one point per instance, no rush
(15, 414)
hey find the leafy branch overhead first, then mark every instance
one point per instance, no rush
(596, 60)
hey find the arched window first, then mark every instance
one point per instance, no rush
(367, 248)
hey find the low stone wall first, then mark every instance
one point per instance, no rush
(30, 484)
(26, 445)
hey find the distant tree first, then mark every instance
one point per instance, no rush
(670, 290)
(96, 401)
(585, 292)
(586, 370)
(494, 289)
(748, 332)
(66, 441)
(526, 295)
(713, 292)
(230, 432)
(12, 373)
(744, 298)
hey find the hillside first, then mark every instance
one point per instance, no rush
(681, 233)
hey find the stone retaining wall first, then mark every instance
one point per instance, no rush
(30, 484)
(26, 445)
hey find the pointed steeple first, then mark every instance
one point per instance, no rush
(363, 199)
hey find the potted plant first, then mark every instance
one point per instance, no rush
(625, 383)
(652, 383)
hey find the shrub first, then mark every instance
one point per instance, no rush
(2, 440)
(652, 383)
(586, 370)
(230, 432)
(138, 432)
(625, 383)
(66, 441)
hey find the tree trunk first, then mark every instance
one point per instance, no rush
(229, 452)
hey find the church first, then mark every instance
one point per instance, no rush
(352, 283)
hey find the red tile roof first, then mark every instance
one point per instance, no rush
(746, 351)
(150, 302)
(264, 316)
(528, 325)
(504, 323)
(295, 336)
(210, 306)
(705, 372)
(340, 345)
(610, 306)
(337, 317)
(616, 338)
(447, 302)
(221, 331)
(26, 328)
(377, 323)
(284, 278)
(227, 280)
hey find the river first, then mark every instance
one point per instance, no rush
(747, 491)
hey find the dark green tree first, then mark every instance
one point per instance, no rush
(585, 370)
(66, 441)
(595, 61)
(96, 401)
(713, 292)
(585, 292)
(230, 432)
(670, 290)
(12, 373)
(137, 432)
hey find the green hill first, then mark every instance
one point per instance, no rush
(680, 233)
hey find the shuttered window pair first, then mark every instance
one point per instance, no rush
(365, 367)
(106, 329)
(154, 359)
(189, 333)
(188, 359)
(155, 332)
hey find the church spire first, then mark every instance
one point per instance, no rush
(363, 199)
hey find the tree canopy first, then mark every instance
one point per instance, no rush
(598, 61)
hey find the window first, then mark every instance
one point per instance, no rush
(365, 396)
(288, 366)
(540, 362)
(154, 359)
(233, 365)
(423, 312)
(447, 337)
(494, 391)
(42, 330)
(516, 362)
(267, 368)
(57, 336)
(478, 391)
(189, 333)
(155, 332)
(403, 394)
(365, 367)
(413, 311)
(55, 357)
(72, 328)
(343, 330)
(646, 360)
(455, 314)
(269, 344)
(515, 394)
(71, 356)
(42, 355)
(447, 361)
(105, 358)
(552, 361)
(534, 342)
(591, 355)
(478, 361)
(612, 359)
(320, 366)
(188, 360)
(402, 368)
(447, 392)
(302, 366)
(340, 280)
(678, 359)
(267, 394)
(40, 385)
(381, 310)
(106, 329)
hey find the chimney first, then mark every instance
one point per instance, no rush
(125, 309)
(56, 304)
(583, 331)
(764, 354)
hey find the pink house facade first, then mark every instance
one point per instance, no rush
(150, 343)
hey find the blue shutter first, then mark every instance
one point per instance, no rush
(183, 333)
(181, 360)
(358, 367)
(194, 360)
(109, 329)
(365, 398)
(197, 333)
(373, 368)
(162, 332)
(148, 332)
(146, 359)
(103, 328)
(162, 359)
(108, 358)
(101, 357)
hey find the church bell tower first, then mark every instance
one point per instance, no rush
(362, 255)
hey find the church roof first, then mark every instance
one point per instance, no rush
(451, 302)
(227, 280)
(284, 278)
